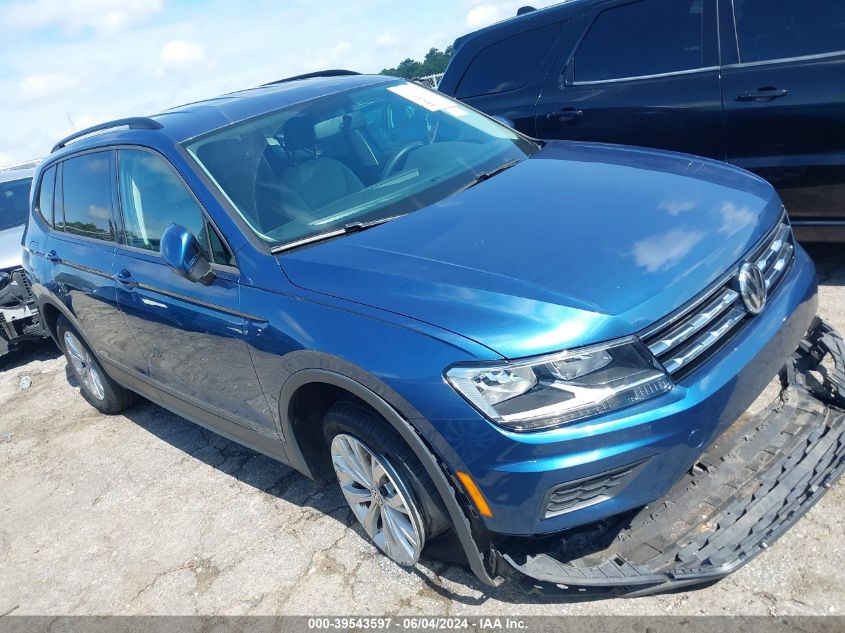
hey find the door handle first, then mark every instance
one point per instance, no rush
(763, 94)
(567, 114)
(124, 277)
(52, 256)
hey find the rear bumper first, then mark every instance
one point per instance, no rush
(759, 477)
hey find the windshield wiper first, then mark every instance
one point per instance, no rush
(352, 227)
(487, 175)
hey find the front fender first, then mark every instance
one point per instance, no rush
(374, 394)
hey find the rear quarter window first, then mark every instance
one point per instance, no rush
(46, 195)
(509, 63)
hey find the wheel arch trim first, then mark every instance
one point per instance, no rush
(460, 521)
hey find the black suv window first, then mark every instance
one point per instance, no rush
(87, 196)
(780, 29)
(508, 64)
(14, 203)
(152, 197)
(650, 37)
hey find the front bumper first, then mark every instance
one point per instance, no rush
(761, 475)
(19, 316)
(518, 473)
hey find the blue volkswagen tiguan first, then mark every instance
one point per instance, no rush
(510, 346)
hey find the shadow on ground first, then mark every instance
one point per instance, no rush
(268, 476)
(28, 352)
(830, 263)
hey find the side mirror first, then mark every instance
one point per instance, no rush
(505, 121)
(181, 251)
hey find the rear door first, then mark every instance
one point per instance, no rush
(80, 251)
(784, 97)
(639, 73)
(191, 336)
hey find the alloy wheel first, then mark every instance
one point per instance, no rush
(84, 367)
(379, 499)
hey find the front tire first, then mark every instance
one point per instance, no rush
(383, 482)
(101, 392)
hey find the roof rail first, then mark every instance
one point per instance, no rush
(133, 123)
(320, 73)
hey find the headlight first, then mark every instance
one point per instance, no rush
(545, 392)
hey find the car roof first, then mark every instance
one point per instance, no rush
(193, 119)
(13, 173)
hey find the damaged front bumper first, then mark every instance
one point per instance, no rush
(747, 489)
(19, 317)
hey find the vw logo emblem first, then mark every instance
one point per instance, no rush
(752, 287)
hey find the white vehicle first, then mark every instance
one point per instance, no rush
(19, 318)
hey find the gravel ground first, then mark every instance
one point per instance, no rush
(146, 513)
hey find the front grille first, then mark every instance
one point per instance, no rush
(691, 336)
(583, 493)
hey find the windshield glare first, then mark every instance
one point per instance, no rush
(14, 203)
(355, 157)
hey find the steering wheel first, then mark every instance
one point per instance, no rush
(399, 157)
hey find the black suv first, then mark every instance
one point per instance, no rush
(759, 83)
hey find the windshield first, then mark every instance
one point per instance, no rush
(355, 157)
(14, 203)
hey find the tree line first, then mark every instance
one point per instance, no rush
(435, 62)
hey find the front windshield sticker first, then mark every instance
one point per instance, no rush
(429, 100)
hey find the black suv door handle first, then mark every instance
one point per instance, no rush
(52, 256)
(125, 277)
(567, 114)
(763, 94)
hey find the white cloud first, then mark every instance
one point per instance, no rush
(45, 85)
(386, 39)
(75, 15)
(735, 218)
(179, 56)
(140, 71)
(661, 252)
(483, 15)
(676, 207)
(486, 13)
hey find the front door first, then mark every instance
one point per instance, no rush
(642, 73)
(784, 101)
(190, 335)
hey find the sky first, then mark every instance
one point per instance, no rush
(69, 64)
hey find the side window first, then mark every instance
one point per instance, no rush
(508, 64)
(219, 253)
(14, 203)
(45, 195)
(649, 37)
(87, 196)
(780, 29)
(153, 197)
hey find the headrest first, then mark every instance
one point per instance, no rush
(299, 134)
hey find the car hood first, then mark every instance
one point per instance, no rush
(579, 244)
(10, 248)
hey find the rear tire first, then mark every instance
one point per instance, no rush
(101, 392)
(384, 483)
